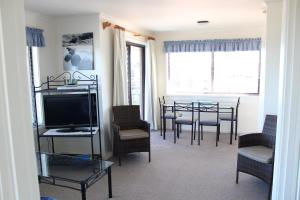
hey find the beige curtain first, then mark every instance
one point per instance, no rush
(120, 89)
(150, 85)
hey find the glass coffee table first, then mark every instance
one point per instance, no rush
(73, 172)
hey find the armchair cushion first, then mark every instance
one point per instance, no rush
(133, 134)
(259, 153)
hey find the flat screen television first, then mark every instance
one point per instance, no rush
(70, 112)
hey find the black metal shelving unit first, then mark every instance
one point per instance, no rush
(84, 84)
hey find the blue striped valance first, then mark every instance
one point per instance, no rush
(34, 37)
(249, 44)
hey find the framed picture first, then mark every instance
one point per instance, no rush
(78, 51)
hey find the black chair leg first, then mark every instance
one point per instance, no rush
(149, 156)
(120, 160)
(217, 137)
(192, 132)
(201, 132)
(218, 132)
(270, 192)
(237, 177)
(236, 127)
(161, 127)
(175, 133)
(178, 130)
(173, 124)
(198, 136)
(195, 129)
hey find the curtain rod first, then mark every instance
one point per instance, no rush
(115, 26)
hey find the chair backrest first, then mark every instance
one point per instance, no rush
(161, 100)
(237, 107)
(164, 100)
(270, 125)
(184, 107)
(207, 107)
(127, 117)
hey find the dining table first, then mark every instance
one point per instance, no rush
(204, 106)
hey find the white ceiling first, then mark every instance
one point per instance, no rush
(161, 15)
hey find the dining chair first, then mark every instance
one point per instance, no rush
(185, 120)
(212, 108)
(166, 113)
(227, 117)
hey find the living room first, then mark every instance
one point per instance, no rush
(171, 47)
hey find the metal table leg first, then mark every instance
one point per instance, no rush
(83, 191)
(109, 182)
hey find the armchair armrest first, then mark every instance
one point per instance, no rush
(144, 125)
(251, 139)
(116, 129)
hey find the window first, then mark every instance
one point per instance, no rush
(213, 72)
(34, 74)
(136, 74)
(189, 72)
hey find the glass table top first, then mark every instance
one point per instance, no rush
(77, 168)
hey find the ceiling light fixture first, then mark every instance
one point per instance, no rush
(203, 22)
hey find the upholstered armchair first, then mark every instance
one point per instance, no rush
(131, 134)
(256, 152)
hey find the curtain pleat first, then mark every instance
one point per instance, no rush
(249, 44)
(34, 37)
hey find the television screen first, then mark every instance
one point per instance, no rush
(71, 110)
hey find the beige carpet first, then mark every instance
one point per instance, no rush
(177, 171)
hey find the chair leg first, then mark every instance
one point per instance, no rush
(218, 132)
(270, 192)
(195, 129)
(173, 124)
(198, 135)
(120, 160)
(201, 132)
(161, 127)
(175, 133)
(237, 177)
(149, 156)
(236, 127)
(192, 134)
(178, 130)
(217, 136)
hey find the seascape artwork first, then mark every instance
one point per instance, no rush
(78, 51)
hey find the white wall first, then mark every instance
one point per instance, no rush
(250, 105)
(272, 59)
